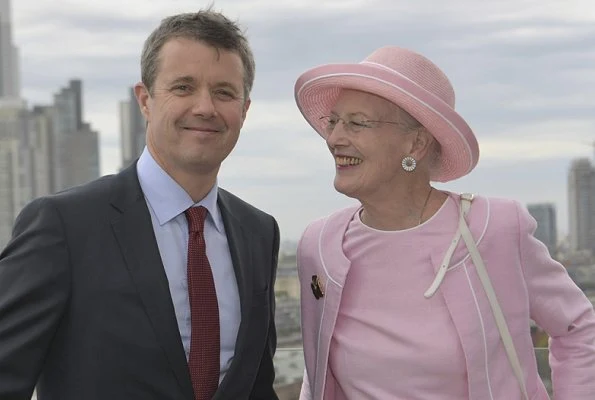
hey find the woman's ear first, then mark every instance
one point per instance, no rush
(421, 143)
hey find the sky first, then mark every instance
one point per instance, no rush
(523, 73)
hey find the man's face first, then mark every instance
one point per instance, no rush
(196, 109)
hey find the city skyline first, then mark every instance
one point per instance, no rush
(520, 73)
(44, 148)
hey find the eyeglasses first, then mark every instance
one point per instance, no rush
(353, 125)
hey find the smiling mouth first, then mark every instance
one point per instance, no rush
(200, 129)
(343, 161)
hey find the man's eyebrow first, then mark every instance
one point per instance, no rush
(183, 79)
(189, 79)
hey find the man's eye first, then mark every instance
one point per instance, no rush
(358, 124)
(182, 88)
(224, 94)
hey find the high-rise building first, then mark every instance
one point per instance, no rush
(75, 146)
(137, 125)
(125, 133)
(546, 232)
(42, 151)
(14, 184)
(40, 136)
(581, 205)
(132, 129)
(9, 57)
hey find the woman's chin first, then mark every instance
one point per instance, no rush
(345, 189)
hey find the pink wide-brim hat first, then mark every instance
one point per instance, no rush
(408, 80)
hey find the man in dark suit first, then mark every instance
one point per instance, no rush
(153, 283)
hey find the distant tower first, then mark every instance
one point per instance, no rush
(75, 146)
(581, 205)
(545, 215)
(9, 58)
(14, 188)
(14, 185)
(132, 129)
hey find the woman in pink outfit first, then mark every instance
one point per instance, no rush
(418, 293)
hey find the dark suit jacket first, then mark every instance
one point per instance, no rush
(85, 308)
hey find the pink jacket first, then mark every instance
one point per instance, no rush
(529, 285)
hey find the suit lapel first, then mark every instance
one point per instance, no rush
(133, 230)
(240, 248)
(337, 266)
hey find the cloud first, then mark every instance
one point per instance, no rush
(522, 71)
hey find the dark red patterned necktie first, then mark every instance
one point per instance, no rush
(203, 361)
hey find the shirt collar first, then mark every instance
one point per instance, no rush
(166, 197)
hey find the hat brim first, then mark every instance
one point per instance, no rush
(317, 90)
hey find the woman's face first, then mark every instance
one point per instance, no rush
(368, 140)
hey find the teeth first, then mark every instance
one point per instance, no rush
(343, 161)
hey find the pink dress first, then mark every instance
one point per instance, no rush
(386, 282)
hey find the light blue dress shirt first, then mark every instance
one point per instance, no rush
(167, 202)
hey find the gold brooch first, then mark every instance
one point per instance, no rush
(317, 288)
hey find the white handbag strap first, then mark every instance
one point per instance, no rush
(466, 199)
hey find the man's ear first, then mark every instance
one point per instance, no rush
(142, 98)
(245, 107)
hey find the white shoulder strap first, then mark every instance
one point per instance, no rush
(491, 294)
(441, 273)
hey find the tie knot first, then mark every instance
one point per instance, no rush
(196, 218)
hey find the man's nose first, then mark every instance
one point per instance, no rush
(203, 104)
